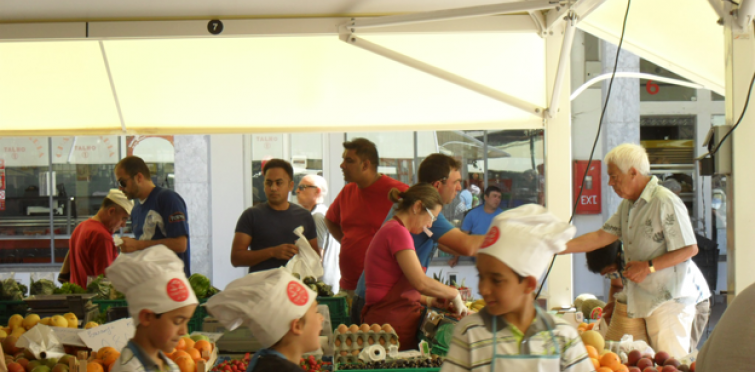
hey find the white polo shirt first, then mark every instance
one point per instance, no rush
(657, 223)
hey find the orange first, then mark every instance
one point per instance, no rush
(178, 354)
(110, 358)
(203, 345)
(194, 353)
(590, 326)
(592, 352)
(94, 367)
(595, 363)
(104, 352)
(189, 342)
(181, 345)
(601, 369)
(185, 364)
(610, 360)
(621, 368)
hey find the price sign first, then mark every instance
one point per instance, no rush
(115, 334)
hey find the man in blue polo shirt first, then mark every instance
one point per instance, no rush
(478, 220)
(443, 173)
(159, 216)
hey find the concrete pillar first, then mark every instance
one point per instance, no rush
(192, 182)
(621, 123)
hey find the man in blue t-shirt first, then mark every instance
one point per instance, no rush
(443, 173)
(478, 220)
(159, 216)
(264, 237)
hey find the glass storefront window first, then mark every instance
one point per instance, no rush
(396, 152)
(70, 176)
(516, 166)
(654, 91)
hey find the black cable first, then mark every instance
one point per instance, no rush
(597, 136)
(742, 115)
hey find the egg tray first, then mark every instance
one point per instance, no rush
(352, 351)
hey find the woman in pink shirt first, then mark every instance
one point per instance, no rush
(396, 283)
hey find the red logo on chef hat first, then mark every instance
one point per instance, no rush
(177, 290)
(297, 294)
(491, 237)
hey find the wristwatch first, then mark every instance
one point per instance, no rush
(650, 265)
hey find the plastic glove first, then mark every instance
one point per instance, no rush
(459, 306)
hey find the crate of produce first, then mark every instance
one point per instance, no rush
(106, 304)
(401, 365)
(74, 303)
(339, 312)
(197, 320)
(8, 308)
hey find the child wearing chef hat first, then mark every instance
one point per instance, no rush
(280, 311)
(512, 333)
(161, 302)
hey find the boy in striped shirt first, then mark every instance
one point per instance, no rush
(512, 333)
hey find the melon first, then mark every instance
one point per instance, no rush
(594, 339)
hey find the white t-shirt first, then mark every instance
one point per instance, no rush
(657, 223)
(331, 246)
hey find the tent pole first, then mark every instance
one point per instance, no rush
(112, 86)
(561, 72)
(448, 14)
(442, 74)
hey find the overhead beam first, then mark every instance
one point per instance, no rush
(448, 14)
(563, 62)
(248, 28)
(582, 8)
(527, 107)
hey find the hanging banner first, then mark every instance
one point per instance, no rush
(85, 150)
(152, 149)
(24, 151)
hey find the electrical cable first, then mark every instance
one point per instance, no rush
(597, 136)
(742, 115)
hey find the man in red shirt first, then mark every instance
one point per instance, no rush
(91, 247)
(359, 209)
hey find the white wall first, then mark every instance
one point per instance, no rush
(226, 203)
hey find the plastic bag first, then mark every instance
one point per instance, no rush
(42, 284)
(307, 261)
(41, 341)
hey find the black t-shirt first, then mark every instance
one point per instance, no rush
(269, 227)
(273, 363)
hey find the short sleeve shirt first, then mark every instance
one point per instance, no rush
(655, 224)
(381, 269)
(91, 250)
(472, 347)
(269, 228)
(478, 221)
(360, 213)
(134, 359)
(163, 215)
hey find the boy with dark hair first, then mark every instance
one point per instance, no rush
(512, 333)
(280, 311)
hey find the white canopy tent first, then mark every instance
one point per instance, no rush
(95, 70)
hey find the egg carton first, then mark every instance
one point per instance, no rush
(358, 340)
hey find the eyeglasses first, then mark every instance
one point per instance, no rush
(304, 187)
(123, 182)
(432, 217)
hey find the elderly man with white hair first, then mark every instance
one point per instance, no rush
(310, 194)
(663, 284)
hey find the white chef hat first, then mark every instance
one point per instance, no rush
(265, 301)
(525, 239)
(151, 279)
(118, 197)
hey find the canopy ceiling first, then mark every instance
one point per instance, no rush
(308, 82)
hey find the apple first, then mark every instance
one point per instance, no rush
(633, 357)
(672, 362)
(634, 369)
(644, 363)
(669, 368)
(683, 368)
(660, 357)
(650, 369)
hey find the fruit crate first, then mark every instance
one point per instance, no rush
(395, 370)
(339, 312)
(8, 308)
(106, 304)
(195, 324)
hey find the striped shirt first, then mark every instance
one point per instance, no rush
(472, 344)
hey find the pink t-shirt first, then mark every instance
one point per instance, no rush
(381, 269)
